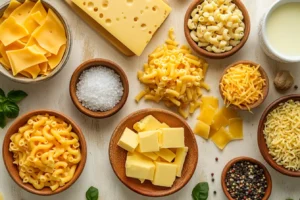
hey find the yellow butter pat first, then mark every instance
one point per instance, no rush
(202, 129)
(180, 159)
(172, 137)
(148, 123)
(129, 140)
(236, 128)
(151, 155)
(149, 141)
(139, 166)
(166, 154)
(165, 174)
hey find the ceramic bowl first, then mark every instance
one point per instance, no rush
(75, 79)
(12, 168)
(265, 89)
(65, 58)
(117, 155)
(213, 55)
(261, 139)
(239, 159)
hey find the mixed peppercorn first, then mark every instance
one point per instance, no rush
(246, 181)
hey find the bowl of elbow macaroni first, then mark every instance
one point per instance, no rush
(44, 152)
(217, 28)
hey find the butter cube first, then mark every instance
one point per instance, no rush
(151, 155)
(166, 154)
(180, 159)
(148, 141)
(129, 140)
(165, 174)
(172, 137)
(149, 123)
(139, 166)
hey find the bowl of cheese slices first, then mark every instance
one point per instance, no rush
(35, 40)
(153, 152)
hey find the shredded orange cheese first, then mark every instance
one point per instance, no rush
(242, 85)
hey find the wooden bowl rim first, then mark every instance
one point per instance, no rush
(261, 139)
(91, 63)
(252, 160)
(28, 187)
(212, 55)
(64, 60)
(191, 170)
(265, 89)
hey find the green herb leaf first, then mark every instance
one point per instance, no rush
(200, 191)
(10, 109)
(16, 95)
(2, 120)
(289, 199)
(2, 96)
(92, 193)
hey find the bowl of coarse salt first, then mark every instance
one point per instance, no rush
(99, 88)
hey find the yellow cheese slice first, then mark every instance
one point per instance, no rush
(202, 129)
(219, 120)
(52, 28)
(24, 58)
(2, 20)
(207, 114)
(54, 60)
(229, 113)
(11, 31)
(4, 63)
(14, 46)
(32, 42)
(38, 17)
(221, 138)
(209, 100)
(30, 24)
(26, 74)
(236, 128)
(43, 68)
(38, 7)
(11, 7)
(23, 11)
(33, 71)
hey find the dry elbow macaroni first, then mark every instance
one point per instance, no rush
(173, 75)
(46, 152)
(217, 25)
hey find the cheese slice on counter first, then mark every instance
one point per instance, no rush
(207, 114)
(180, 159)
(52, 28)
(221, 138)
(11, 31)
(132, 22)
(165, 174)
(139, 166)
(129, 140)
(13, 4)
(22, 12)
(236, 128)
(166, 154)
(202, 129)
(219, 120)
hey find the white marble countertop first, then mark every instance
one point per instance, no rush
(54, 94)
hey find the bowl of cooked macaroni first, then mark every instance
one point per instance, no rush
(217, 28)
(44, 152)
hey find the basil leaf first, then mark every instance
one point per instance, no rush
(2, 120)
(200, 191)
(16, 95)
(2, 96)
(10, 109)
(92, 193)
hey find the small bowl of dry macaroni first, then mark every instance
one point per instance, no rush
(217, 28)
(44, 152)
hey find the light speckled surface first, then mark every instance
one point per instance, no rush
(54, 94)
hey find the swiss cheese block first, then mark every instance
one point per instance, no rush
(132, 22)
(202, 129)
(151, 155)
(147, 123)
(221, 138)
(180, 159)
(13, 4)
(236, 128)
(165, 174)
(23, 11)
(172, 137)
(24, 58)
(149, 141)
(129, 140)
(52, 28)
(207, 114)
(166, 154)
(139, 166)
(11, 31)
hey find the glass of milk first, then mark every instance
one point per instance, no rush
(279, 31)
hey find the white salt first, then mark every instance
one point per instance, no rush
(99, 88)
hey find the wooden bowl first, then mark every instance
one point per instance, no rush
(12, 168)
(265, 90)
(75, 78)
(261, 139)
(117, 155)
(235, 160)
(213, 55)
(65, 58)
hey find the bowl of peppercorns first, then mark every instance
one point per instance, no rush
(246, 178)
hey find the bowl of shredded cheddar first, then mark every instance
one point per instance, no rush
(44, 152)
(35, 41)
(244, 85)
